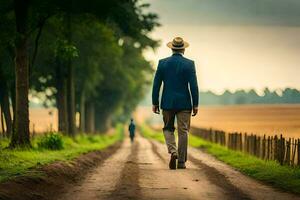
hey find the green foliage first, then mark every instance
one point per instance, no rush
(65, 51)
(52, 141)
(19, 161)
(107, 57)
(93, 49)
(151, 134)
(271, 172)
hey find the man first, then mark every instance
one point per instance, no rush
(179, 98)
(131, 129)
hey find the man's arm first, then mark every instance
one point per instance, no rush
(156, 88)
(194, 89)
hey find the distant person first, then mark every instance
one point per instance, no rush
(179, 99)
(131, 130)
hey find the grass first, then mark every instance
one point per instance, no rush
(271, 172)
(18, 162)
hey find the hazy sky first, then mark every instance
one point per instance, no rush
(235, 43)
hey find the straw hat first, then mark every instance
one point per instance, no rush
(178, 43)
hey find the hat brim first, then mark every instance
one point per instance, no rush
(185, 45)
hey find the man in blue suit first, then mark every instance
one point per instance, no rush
(131, 129)
(179, 99)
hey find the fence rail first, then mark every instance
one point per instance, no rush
(286, 151)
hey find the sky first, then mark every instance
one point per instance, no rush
(236, 44)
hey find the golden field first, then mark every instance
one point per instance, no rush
(258, 119)
(42, 120)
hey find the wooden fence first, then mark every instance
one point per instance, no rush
(283, 150)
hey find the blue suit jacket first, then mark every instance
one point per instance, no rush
(131, 128)
(180, 88)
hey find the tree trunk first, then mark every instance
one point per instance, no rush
(82, 113)
(6, 112)
(12, 88)
(5, 106)
(2, 121)
(71, 100)
(90, 117)
(103, 122)
(13, 102)
(70, 85)
(21, 136)
(61, 99)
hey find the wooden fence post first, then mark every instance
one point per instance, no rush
(294, 146)
(254, 145)
(245, 142)
(287, 158)
(282, 149)
(228, 141)
(269, 148)
(241, 142)
(264, 147)
(275, 148)
(235, 141)
(258, 146)
(248, 144)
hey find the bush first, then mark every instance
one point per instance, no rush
(52, 141)
(92, 139)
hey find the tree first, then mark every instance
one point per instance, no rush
(21, 136)
(32, 20)
(28, 17)
(99, 53)
(290, 95)
(6, 71)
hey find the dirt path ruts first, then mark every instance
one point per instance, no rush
(215, 177)
(253, 188)
(140, 171)
(49, 181)
(128, 185)
(158, 182)
(232, 192)
(100, 182)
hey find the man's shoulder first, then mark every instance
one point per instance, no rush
(188, 60)
(161, 62)
(171, 57)
(164, 59)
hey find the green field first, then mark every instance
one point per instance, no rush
(271, 172)
(17, 162)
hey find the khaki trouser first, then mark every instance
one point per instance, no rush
(183, 125)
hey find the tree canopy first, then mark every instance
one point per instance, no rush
(82, 57)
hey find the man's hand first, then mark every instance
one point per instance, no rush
(195, 111)
(155, 109)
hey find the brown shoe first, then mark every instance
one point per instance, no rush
(172, 163)
(181, 165)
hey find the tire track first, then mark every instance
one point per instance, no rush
(191, 183)
(214, 176)
(220, 180)
(253, 188)
(128, 184)
(101, 181)
(155, 150)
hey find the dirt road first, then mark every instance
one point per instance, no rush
(140, 171)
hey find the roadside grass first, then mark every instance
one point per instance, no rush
(283, 177)
(18, 162)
